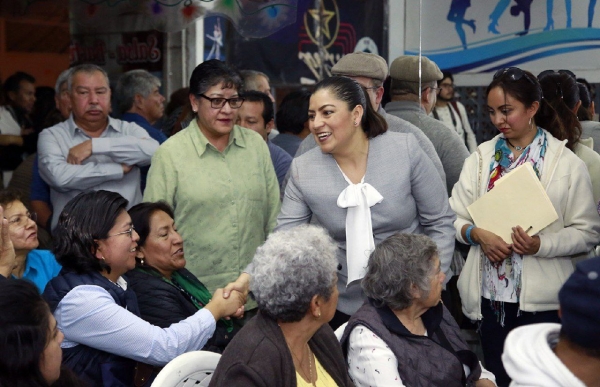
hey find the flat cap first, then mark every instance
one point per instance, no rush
(361, 64)
(406, 68)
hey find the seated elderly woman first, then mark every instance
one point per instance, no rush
(167, 292)
(96, 310)
(37, 266)
(289, 342)
(403, 334)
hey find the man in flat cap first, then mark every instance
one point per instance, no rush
(406, 104)
(370, 71)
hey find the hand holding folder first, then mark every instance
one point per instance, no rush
(517, 199)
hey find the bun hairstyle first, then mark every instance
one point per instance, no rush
(561, 95)
(352, 93)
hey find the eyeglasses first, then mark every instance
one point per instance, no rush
(21, 220)
(514, 74)
(218, 103)
(447, 86)
(548, 72)
(130, 232)
(435, 89)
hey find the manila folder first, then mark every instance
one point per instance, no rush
(517, 199)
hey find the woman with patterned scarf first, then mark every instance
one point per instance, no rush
(508, 285)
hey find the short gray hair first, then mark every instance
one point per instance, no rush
(249, 77)
(396, 264)
(88, 69)
(399, 88)
(62, 78)
(132, 83)
(290, 268)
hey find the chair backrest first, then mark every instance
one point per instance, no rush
(190, 369)
(340, 331)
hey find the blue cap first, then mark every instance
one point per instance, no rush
(580, 304)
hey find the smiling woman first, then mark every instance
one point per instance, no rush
(93, 305)
(37, 266)
(363, 185)
(168, 293)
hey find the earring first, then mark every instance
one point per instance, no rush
(103, 258)
(355, 123)
(142, 261)
(319, 315)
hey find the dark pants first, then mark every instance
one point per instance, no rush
(493, 334)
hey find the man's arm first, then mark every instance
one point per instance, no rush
(135, 147)
(453, 154)
(11, 139)
(63, 176)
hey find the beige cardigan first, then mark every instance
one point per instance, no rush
(572, 236)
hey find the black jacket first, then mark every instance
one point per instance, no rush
(162, 304)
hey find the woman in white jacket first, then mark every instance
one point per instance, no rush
(510, 285)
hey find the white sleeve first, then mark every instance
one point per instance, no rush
(370, 361)
(485, 374)
(89, 315)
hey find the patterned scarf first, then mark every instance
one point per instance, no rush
(503, 280)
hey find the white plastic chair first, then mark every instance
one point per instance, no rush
(190, 369)
(340, 331)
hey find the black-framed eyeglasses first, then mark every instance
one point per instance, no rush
(219, 102)
(548, 72)
(514, 74)
(130, 232)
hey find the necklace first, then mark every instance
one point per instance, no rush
(517, 148)
(308, 353)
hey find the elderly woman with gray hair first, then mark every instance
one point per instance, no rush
(403, 334)
(289, 342)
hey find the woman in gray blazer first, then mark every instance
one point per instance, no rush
(363, 185)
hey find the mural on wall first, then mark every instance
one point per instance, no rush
(292, 55)
(483, 36)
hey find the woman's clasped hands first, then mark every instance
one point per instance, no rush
(497, 250)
